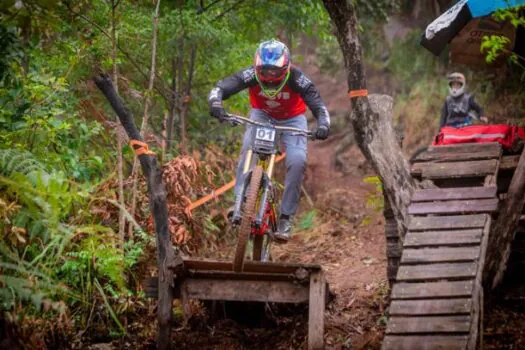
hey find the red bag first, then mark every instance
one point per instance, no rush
(507, 135)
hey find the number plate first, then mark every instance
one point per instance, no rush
(265, 134)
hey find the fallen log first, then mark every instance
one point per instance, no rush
(504, 229)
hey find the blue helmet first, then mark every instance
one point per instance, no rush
(272, 62)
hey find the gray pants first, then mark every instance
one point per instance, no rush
(296, 152)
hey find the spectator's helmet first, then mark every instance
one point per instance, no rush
(456, 84)
(272, 66)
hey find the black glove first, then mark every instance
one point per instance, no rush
(217, 110)
(321, 133)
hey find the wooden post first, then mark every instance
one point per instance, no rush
(166, 255)
(504, 229)
(316, 308)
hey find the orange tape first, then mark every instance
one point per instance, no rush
(141, 149)
(216, 193)
(358, 93)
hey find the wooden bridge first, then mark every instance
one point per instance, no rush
(436, 272)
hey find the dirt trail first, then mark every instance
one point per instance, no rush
(348, 241)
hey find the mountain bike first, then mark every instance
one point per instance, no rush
(254, 210)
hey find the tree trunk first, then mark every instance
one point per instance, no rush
(180, 95)
(145, 118)
(119, 132)
(173, 105)
(166, 254)
(186, 103)
(504, 229)
(371, 119)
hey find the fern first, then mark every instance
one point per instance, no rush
(15, 160)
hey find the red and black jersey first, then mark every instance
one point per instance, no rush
(298, 93)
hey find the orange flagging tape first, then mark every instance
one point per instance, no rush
(216, 193)
(358, 93)
(142, 149)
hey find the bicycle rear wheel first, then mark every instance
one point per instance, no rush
(248, 215)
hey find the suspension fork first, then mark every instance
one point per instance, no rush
(267, 183)
(240, 195)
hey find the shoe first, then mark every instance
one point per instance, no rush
(284, 231)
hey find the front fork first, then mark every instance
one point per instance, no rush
(266, 185)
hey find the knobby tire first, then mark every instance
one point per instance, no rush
(248, 216)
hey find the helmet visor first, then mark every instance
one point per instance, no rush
(271, 74)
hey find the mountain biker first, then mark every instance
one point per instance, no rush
(460, 108)
(279, 94)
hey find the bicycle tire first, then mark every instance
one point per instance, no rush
(248, 215)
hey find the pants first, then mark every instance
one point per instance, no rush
(296, 154)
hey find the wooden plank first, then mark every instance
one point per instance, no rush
(426, 325)
(465, 148)
(436, 271)
(443, 254)
(509, 162)
(249, 266)
(246, 276)
(471, 206)
(263, 291)
(316, 309)
(461, 306)
(478, 168)
(432, 290)
(457, 156)
(446, 194)
(436, 342)
(439, 238)
(419, 223)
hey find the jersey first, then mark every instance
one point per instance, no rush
(297, 93)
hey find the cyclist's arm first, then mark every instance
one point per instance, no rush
(311, 96)
(473, 105)
(233, 84)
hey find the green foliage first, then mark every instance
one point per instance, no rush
(375, 199)
(54, 151)
(496, 45)
(306, 222)
(378, 10)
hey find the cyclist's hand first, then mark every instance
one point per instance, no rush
(217, 110)
(484, 119)
(321, 133)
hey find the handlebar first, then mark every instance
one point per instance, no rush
(238, 119)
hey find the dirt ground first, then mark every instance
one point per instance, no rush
(346, 238)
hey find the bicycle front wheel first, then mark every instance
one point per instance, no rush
(248, 215)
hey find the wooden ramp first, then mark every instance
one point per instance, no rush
(274, 282)
(437, 296)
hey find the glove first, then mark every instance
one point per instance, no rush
(321, 133)
(217, 110)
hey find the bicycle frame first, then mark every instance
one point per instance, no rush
(260, 219)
